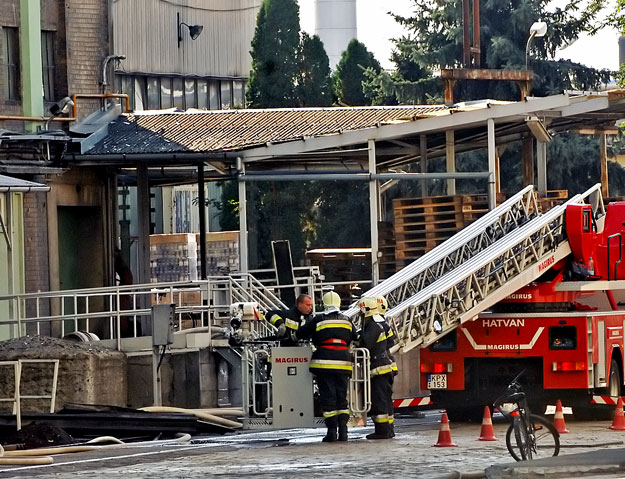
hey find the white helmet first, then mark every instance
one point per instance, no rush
(369, 306)
(331, 301)
(382, 304)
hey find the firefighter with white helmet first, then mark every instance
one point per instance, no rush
(374, 337)
(331, 333)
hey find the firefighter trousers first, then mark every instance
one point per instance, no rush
(381, 402)
(332, 393)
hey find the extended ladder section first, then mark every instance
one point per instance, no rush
(515, 212)
(492, 271)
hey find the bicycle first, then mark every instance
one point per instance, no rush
(534, 436)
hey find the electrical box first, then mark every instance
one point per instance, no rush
(292, 387)
(163, 321)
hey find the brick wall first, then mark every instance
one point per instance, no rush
(36, 252)
(87, 47)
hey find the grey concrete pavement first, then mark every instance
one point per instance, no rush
(300, 453)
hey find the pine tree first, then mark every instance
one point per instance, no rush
(435, 41)
(350, 73)
(275, 55)
(313, 80)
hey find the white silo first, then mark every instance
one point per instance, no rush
(335, 23)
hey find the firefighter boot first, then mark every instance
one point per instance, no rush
(331, 424)
(343, 418)
(382, 431)
(391, 429)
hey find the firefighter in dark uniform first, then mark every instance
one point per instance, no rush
(331, 363)
(373, 337)
(391, 340)
(288, 321)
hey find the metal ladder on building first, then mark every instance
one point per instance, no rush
(495, 256)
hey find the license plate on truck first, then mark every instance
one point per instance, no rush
(437, 381)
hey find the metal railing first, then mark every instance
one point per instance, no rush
(106, 311)
(17, 397)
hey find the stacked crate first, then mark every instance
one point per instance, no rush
(386, 247)
(423, 223)
(222, 253)
(343, 265)
(550, 198)
(173, 257)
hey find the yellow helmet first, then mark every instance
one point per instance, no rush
(369, 306)
(331, 300)
(382, 304)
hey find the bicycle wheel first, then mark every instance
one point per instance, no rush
(539, 440)
(518, 446)
(546, 439)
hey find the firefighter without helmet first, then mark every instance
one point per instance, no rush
(369, 306)
(331, 301)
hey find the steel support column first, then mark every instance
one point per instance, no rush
(423, 161)
(144, 215)
(202, 215)
(373, 214)
(541, 165)
(450, 160)
(492, 185)
(243, 254)
(603, 155)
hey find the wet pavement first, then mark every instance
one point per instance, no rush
(300, 453)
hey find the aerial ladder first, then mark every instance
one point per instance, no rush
(492, 258)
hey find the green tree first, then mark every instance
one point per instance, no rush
(313, 80)
(275, 55)
(350, 73)
(434, 41)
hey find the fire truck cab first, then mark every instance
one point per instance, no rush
(565, 329)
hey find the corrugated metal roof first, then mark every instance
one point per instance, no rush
(8, 183)
(215, 131)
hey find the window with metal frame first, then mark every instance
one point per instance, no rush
(163, 92)
(11, 63)
(48, 64)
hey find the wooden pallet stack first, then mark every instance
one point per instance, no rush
(423, 223)
(386, 246)
(550, 198)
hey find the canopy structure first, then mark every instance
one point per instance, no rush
(9, 184)
(354, 143)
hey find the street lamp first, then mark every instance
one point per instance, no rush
(538, 29)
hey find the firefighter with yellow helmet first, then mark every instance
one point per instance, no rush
(391, 340)
(331, 333)
(374, 337)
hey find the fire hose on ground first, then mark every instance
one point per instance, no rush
(42, 456)
(203, 414)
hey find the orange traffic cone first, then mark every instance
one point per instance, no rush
(487, 433)
(618, 423)
(444, 434)
(558, 419)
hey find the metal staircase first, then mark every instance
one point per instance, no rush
(495, 256)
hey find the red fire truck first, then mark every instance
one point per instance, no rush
(565, 329)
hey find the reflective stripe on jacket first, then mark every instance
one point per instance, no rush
(373, 337)
(331, 333)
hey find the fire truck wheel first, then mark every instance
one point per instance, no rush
(601, 412)
(614, 381)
